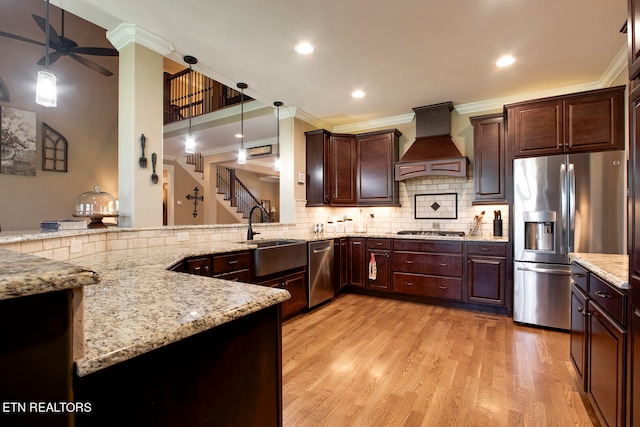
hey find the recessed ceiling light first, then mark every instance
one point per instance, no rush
(304, 48)
(505, 61)
(357, 93)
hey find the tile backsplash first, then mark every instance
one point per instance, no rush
(393, 219)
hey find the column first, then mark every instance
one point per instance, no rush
(140, 111)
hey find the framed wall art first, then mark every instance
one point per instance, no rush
(436, 206)
(17, 141)
(54, 150)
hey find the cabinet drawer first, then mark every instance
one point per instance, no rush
(378, 243)
(612, 300)
(580, 276)
(427, 246)
(199, 266)
(488, 249)
(231, 262)
(435, 264)
(428, 286)
(235, 276)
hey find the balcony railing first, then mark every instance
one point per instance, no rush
(204, 95)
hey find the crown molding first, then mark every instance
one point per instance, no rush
(376, 123)
(125, 34)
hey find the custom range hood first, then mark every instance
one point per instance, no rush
(433, 152)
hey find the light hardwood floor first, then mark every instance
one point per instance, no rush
(366, 361)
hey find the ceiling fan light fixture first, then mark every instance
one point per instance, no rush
(46, 92)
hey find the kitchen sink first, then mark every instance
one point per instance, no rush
(273, 256)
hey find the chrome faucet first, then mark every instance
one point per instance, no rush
(250, 232)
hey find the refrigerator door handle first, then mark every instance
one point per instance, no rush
(544, 270)
(571, 225)
(563, 207)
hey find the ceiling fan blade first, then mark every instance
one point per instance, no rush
(101, 51)
(90, 64)
(54, 38)
(53, 57)
(23, 39)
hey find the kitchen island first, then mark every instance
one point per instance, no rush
(157, 347)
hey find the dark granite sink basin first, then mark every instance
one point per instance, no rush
(274, 256)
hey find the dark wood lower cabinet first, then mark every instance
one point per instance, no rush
(606, 368)
(293, 281)
(486, 280)
(356, 263)
(579, 333)
(36, 360)
(633, 404)
(228, 376)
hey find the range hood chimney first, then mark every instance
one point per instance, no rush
(433, 152)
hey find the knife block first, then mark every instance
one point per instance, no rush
(497, 227)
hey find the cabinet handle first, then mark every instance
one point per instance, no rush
(577, 275)
(443, 264)
(196, 270)
(378, 243)
(603, 294)
(443, 287)
(206, 268)
(484, 248)
(409, 261)
(584, 312)
(233, 262)
(408, 283)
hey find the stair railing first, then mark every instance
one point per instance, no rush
(207, 95)
(238, 194)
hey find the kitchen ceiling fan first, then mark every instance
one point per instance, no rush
(66, 47)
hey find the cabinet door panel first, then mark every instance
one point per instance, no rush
(296, 285)
(425, 263)
(489, 158)
(578, 335)
(538, 128)
(342, 166)
(382, 282)
(376, 157)
(356, 262)
(594, 122)
(605, 376)
(486, 280)
(316, 161)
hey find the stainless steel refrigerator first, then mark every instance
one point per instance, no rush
(563, 204)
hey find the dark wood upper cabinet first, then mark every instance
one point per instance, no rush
(633, 36)
(489, 158)
(317, 174)
(352, 170)
(342, 169)
(377, 153)
(587, 121)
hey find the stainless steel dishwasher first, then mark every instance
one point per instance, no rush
(320, 284)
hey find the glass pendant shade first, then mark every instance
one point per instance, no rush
(278, 164)
(46, 94)
(242, 156)
(190, 144)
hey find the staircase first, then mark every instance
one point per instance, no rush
(238, 194)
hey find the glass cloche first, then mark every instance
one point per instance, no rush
(96, 205)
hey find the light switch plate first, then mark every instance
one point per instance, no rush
(300, 177)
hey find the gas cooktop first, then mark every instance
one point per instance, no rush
(432, 233)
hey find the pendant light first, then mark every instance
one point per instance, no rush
(242, 152)
(46, 93)
(190, 141)
(278, 163)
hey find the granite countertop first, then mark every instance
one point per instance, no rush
(612, 268)
(24, 275)
(139, 305)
